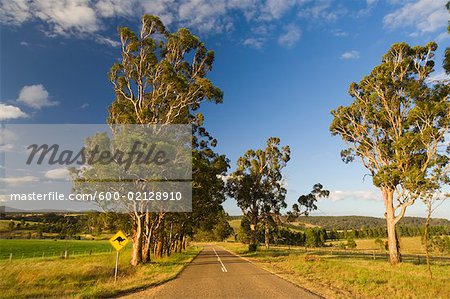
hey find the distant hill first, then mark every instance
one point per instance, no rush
(356, 222)
(6, 209)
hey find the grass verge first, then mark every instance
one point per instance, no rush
(345, 276)
(87, 277)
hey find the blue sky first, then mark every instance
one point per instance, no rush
(283, 65)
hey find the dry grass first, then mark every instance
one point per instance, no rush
(345, 276)
(86, 277)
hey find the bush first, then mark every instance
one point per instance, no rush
(441, 243)
(380, 243)
(351, 243)
(252, 247)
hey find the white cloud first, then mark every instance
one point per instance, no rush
(6, 147)
(442, 36)
(66, 16)
(353, 54)
(89, 18)
(24, 43)
(84, 106)
(339, 33)
(106, 41)
(274, 9)
(111, 8)
(10, 112)
(254, 42)
(323, 11)
(19, 180)
(35, 96)
(7, 136)
(355, 195)
(424, 15)
(370, 4)
(14, 12)
(165, 9)
(290, 37)
(58, 174)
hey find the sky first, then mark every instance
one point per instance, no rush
(282, 65)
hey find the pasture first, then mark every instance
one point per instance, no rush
(34, 248)
(86, 276)
(351, 275)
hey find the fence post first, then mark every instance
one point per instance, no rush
(43, 254)
(10, 257)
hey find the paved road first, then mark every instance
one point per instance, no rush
(216, 273)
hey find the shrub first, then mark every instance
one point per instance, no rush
(252, 247)
(351, 243)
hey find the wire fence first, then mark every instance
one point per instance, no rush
(5, 256)
(364, 254)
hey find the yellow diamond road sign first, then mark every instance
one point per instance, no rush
(119, 240)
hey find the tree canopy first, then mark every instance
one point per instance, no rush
(395, 125)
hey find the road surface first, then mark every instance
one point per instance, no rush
(216, 273)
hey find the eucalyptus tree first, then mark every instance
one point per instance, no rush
(394, 126)
(257, 185)
(160, 79)
(244, 186)
(307, 203)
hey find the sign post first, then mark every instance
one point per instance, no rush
(117, 267)
(118, 241)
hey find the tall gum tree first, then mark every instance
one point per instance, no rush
(160, 79)
(395, 125)
(257, 185)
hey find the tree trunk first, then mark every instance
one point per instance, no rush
(393, 242)
(160, 241)
(178, 244)
(136, 255)
(184, 243)
(252, 245)
(266, 233)
(169, 247)
(146, 247)
(427, 224)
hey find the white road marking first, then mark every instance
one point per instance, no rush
(224, 269)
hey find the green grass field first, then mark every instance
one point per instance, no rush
(86, 276)
(4, 225)
(351, 275)
(23, 248)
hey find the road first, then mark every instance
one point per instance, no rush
(217, 273)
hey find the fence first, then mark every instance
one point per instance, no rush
(366, 254)
(51, 254)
